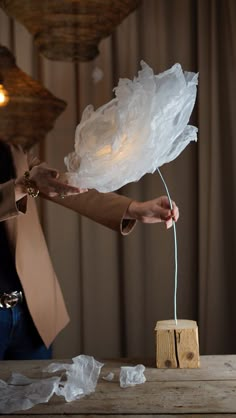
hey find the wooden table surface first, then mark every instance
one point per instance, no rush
(207, 391)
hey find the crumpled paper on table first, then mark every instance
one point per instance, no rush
(131, 376)
(109, 377)
(77, 380)
(82, 377)
(21, 393)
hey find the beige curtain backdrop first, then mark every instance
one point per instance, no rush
(116, 288)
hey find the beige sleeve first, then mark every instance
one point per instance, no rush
(107, 209)
(8, 205)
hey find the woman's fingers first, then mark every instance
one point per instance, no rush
(175, 212)
(55, 188)
(169, 223)
(64, 188)
(47, 181)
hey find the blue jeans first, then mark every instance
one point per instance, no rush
(19, 339)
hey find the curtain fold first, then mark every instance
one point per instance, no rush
(217, 133)
(116, 288)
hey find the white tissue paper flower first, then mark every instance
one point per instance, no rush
(142, 128)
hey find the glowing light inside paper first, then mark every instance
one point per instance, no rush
(144, 127)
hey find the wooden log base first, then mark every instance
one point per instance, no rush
(177, 344)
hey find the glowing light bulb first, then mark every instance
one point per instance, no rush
(4, 96)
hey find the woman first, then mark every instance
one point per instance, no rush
(32, 309)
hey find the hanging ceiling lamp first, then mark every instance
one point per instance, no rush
(31, 110)
(4, 96)
(69, 30)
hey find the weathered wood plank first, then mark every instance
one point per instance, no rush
(149, 398)
(122, 416)
(212, 368)
(210, 390)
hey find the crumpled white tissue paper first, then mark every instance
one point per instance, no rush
(144, 127)
(21, 393)
(82, 377)
(131, 376)
(109, 377)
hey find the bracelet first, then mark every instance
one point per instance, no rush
(30, 185)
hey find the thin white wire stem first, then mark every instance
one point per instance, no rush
(175, 247)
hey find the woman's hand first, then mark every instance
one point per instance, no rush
(45, 180)
(153, 211)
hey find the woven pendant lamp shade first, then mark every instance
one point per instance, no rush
(69, 30)
(31, 111)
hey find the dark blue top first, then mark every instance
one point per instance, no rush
(9, 280)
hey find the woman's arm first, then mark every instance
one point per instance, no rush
(120, 213)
